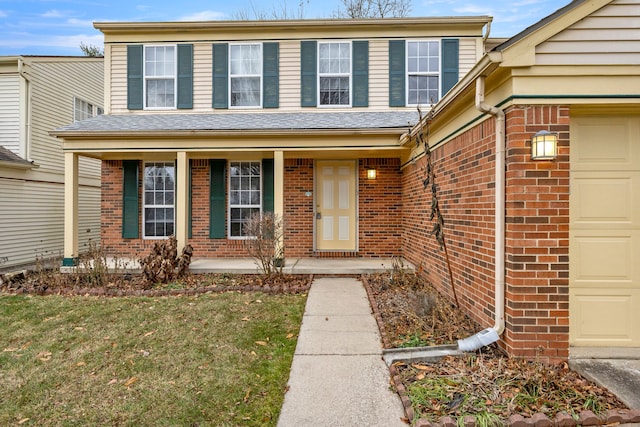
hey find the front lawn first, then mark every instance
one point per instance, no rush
(219, 359)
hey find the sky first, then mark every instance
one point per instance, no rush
(58, 27)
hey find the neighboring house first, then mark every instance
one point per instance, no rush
(37, 95)
(571, 225)
(209, 122)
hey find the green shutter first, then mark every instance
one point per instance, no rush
(308, 73)
(270, 75)
(217, 193)
(220, 75)
(135, 78)
(397, 75)
(267, 185)
(130, 218)
(185, 76)
(450, 64)
(360, 74)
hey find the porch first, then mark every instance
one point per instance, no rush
(317, 266)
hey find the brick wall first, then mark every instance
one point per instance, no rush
(537, 221)
(379, 209)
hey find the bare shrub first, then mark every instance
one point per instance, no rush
(163, 264)
(265, 243)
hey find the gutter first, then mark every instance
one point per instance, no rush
(492, 334)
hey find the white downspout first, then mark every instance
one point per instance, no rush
(492, 334)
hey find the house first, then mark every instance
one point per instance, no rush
(208, 122)
(37, 95)
(558, 271)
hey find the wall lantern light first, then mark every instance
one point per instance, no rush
(372, 173)
(544, 146)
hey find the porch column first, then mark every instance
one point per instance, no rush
(278, 188)
(70, 210)
(182, 200)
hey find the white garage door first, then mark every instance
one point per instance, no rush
(604, 255)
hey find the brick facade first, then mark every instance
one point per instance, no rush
(537, 235)
(379, 209)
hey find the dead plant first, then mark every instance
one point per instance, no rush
(264, 243)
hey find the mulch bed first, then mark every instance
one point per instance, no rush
(483, 388)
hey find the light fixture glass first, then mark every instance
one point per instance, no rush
(544, 146)
(372, 173)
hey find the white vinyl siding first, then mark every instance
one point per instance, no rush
(202, 65)
(468, 55)
(608, 36)
(10, 113)
(379, 74)
(290, 75)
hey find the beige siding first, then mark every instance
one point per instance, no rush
(32, 218)
(10, 113)
(468, 55)
(379, 74)
(608, 36)
(289, 75)
(117, 98)
(202, 76)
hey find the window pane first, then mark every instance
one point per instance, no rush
(245, 91)
(159, 198)
(160, 93)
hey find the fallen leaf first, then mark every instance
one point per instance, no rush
(9, 349)
(24, 420)
(44, 356)
(130, 381)
(245, 319)
(261, 343)
(246, 396)
(113, 381)
(78, 328)
(253, 353)
(80, 364)
(289, 336)
(259, 301)
(148, 334)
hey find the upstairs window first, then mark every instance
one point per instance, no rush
(245, 75)
(245, 195)
(423, 72)
(159, 199)
(334, 73)
(160, 76)
(83, 110)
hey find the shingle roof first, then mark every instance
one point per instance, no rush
(7, 155)
(245, 121)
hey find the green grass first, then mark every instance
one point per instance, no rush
(208, 360)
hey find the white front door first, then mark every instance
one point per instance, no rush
(336, 205)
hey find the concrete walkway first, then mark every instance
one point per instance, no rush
(338, 377)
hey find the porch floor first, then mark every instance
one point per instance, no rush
(321, 266)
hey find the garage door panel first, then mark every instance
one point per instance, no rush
(606, 199)
(599, 319)
(604, 232)
(605, 259)
(605, 144)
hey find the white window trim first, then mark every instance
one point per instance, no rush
(350, 75)
(230, 206)
(438, 74)
(95, 109)
(144, 204)
(175, 77)
(261, 76)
